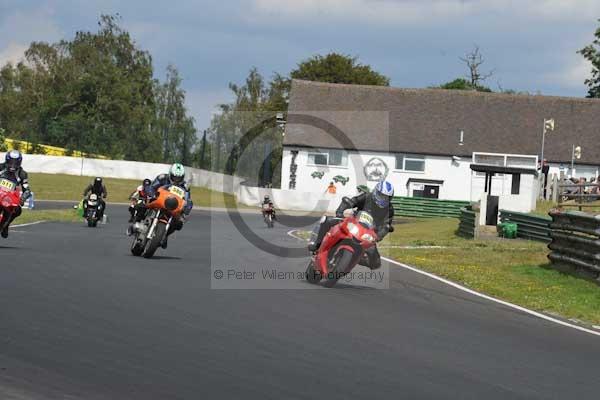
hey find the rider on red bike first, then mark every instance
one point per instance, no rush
(267, 201)
(377, 203)
(11, 170)
(137, 201)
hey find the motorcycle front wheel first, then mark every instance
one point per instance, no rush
(340, 266)
(313, 276)
(137, 246)
(159, 233)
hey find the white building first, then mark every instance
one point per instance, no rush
(424, 140)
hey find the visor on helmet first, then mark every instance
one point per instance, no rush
(381, 199)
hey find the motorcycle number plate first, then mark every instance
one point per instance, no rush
(365, 219)
(177, 191)
(266, 207)
(6, 184)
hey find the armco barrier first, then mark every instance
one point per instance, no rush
(427, 208)
(528, 226)
(466, 226)
(575, 245)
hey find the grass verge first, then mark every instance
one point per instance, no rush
(513, 270)
(516, 271)
(543, 207)
(70, 187)
(29, 216)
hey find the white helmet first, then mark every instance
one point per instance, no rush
(177, 173)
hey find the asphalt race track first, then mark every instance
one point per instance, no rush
(80, 318)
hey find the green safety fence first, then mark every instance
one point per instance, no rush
(466, 226)
(420, 207)
(529, 226)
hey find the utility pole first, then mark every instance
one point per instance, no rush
(548, 127)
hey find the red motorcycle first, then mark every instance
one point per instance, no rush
(342, 248)
(10, 201)
(268, 214)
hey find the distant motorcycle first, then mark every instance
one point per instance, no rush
(10, 201)
(91, 210)
(268, 214)
(149, 234)
(342, 248)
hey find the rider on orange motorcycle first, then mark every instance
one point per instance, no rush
(176, 176)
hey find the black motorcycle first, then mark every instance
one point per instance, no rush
(92, 210)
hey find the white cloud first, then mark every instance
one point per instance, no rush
(419, 11)
(28, 26)
(572, 74)
(19, 29)
(12, 53)
(202, 104)
(363, 10)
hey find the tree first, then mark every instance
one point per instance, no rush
(463, 84)
(475, 78)
(172, 124)
(474, 60)
(2, 143)
(591, 53)
(338, 68)
(249, 124)
(97, 93)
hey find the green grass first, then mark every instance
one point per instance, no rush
(48, 215)
(70, 187)
(512, 270)
(543, 207)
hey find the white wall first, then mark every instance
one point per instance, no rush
(456, 175)
(289, 199)
(124, 169)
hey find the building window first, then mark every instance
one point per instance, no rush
(328, 157)
(410, 162)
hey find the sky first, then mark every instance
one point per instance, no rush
(529, 44)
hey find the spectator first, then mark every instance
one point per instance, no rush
(331, 189)
(545, 170)
(595, 190)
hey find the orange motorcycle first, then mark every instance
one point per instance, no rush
(149, 234)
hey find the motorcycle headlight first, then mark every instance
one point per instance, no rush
(171, 203)
(353, 229)
(6, 202)
(367, 237)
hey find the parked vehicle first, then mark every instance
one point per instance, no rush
(342, 248)
(149, 234)
(10, 201)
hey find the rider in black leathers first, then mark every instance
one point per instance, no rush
(97, 188)
(11, 169)
(377, 203)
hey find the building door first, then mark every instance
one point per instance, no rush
(431, 192)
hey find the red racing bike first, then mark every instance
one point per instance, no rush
(10, 201)
(342, 248)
